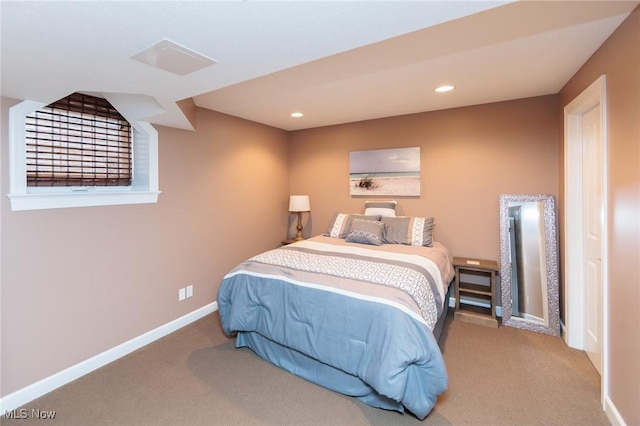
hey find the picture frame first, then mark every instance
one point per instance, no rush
(385, 172)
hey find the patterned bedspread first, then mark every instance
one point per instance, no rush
(411, 277)
(354, 318)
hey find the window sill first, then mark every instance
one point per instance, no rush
(64, 200)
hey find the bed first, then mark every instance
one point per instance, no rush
(357, 317)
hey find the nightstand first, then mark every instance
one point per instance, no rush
(475, 281)
(289, 241)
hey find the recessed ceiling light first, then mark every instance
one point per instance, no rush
(296, 114)
(445, 88)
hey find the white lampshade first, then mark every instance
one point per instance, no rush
(299, 203)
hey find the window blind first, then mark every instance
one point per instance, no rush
(80, 140)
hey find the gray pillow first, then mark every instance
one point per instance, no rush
(408, 230)
(366, 232)
(340, 225)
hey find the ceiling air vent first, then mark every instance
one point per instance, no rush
(174, 58)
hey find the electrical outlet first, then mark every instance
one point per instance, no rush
(181, 294)
(190, 291)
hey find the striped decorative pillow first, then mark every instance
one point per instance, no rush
(413, 231)
(340, 225)
(382, 208)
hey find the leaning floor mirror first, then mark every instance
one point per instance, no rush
(529, 263)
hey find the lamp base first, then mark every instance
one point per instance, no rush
(299, 235)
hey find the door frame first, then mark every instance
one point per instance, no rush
(574, 282)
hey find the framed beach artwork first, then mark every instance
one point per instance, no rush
(385, 172)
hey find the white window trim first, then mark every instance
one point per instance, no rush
(143, 189)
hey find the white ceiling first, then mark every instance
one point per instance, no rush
(334, 61)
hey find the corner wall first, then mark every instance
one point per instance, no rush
(469, 156)
(77, 282)
(619, 60)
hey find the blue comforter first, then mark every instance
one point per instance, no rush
(352, 318)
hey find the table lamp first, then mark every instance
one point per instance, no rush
(299, 204)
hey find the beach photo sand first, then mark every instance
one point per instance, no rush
(386, 186)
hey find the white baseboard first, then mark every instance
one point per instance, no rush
(44, 386)
(612, 413)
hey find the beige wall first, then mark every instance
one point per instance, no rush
(619, 59)
(77, 282)
(469, 156)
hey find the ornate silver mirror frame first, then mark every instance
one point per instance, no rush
(529, 274)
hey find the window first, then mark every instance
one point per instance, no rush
(79, 151)
(80, 140)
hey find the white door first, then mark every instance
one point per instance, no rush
(592, 219)
(586, 265)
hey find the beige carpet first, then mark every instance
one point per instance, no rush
(195, 376)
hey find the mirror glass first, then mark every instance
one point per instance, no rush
(529, 263)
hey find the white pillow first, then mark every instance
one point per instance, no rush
(382, 208)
